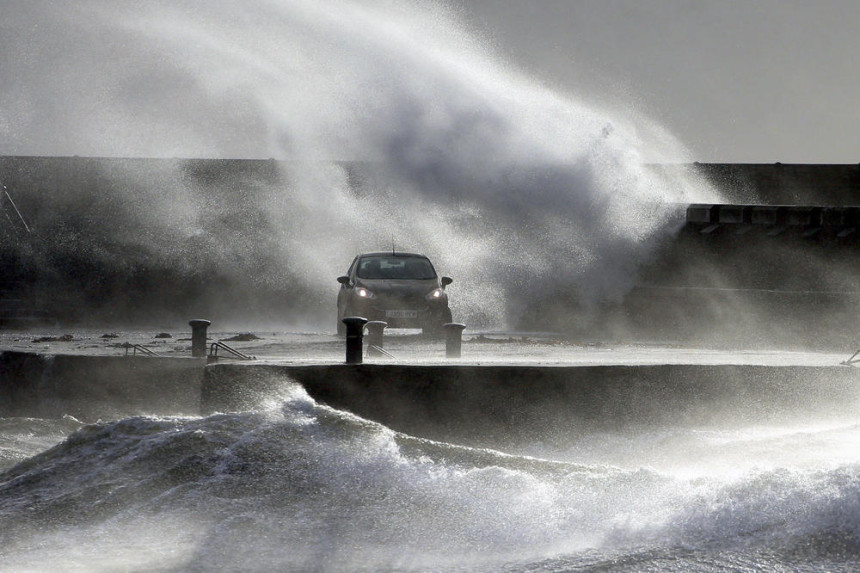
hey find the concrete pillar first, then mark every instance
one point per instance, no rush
(354, 338)
(375, 331)
(453, 339)
(198, 337)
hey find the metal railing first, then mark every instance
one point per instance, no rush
(233, 353)
(135, 347)
(379, 350)
(851, 361)
(14, 207)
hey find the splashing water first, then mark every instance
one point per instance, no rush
(301, 485)
(517, 191)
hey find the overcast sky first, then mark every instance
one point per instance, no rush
(734, 81)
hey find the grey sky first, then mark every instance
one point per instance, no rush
(737, 81)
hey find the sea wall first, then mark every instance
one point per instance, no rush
(467, 403)
(98, 387)
(486, 404)
(762, 183)
(507, 405)
(785, 183)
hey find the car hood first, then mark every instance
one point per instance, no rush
(399, 287)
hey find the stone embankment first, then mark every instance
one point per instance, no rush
(466, 403)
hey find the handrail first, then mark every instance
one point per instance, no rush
(14, 206)
(851, 360)
(213, 352)
(137, 347)
(380, 350)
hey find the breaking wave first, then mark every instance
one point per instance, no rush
(303, 486)
(519, 192)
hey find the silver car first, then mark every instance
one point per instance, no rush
(401, 289)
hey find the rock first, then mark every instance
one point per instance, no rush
(246, 337)
(63, 338)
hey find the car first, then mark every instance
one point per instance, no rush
(401, 289)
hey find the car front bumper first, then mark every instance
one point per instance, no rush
(398, 314)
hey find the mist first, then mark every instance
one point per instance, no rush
(518, 191)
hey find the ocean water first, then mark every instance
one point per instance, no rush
(299, 486)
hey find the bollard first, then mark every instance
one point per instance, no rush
(354, 336)
(198, 337)
(453, 339)
(375, 330)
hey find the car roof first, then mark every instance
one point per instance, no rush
(392, 254)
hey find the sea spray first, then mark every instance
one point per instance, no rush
(521, 193)
(299, 485)
(20, 438)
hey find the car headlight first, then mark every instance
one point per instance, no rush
(435, 294)
(363, 292)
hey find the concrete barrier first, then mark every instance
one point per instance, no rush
(768, 215)
(98, 387)
(803, 216)
(509, 405)
(702, 213)
(735, 214)
(707, 218)
(487, 404)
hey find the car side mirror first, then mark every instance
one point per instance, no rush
(446, 281)
(344, 280)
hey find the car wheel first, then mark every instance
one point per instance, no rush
(432, 330)
(434, 326)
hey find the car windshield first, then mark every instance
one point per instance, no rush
(393, 267)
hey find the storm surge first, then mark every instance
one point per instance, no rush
(298, 485)
(528, 196)
(366, 125)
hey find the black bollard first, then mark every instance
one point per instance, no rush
(453, 339)
(198, 337)
(354, 338)
(375, 329)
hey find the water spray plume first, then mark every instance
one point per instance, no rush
(517, 191)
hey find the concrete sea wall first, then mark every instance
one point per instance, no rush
(763, 183)
(511, 404)
(487, 405)
(98, 387)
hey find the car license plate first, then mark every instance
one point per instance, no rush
(401, 314)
